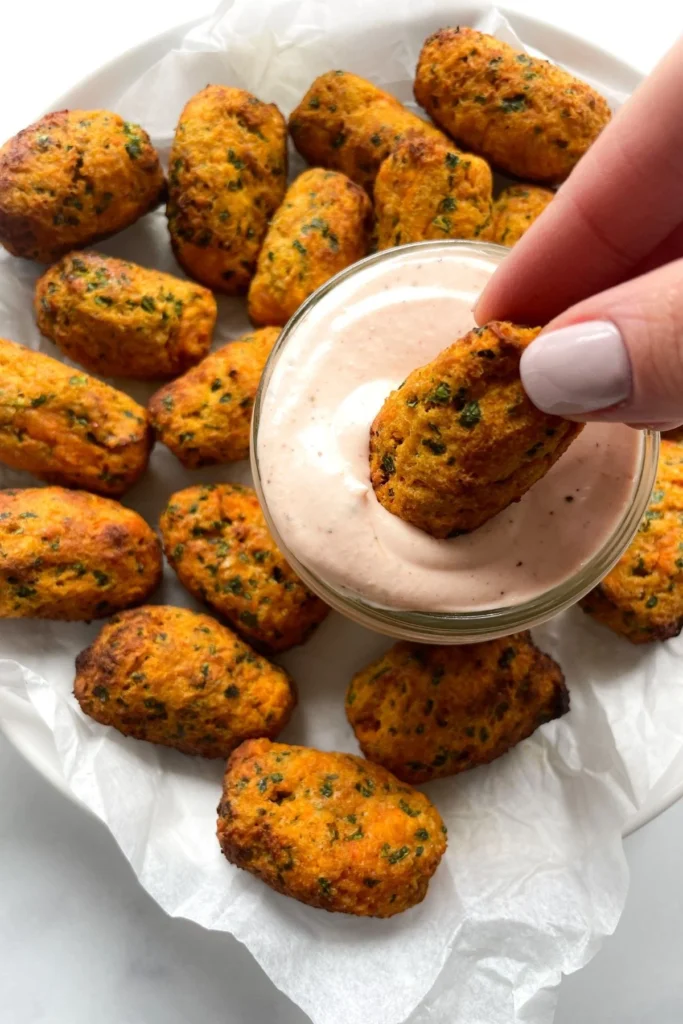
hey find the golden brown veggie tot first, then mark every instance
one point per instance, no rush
(322, 227)
(71, 555)
(173, 677)
(228, 174)
(642, 597)
(426, 190)
(425, 712)
(515, 210)
(527, 116)
(119, 319)
(216, 539)
(204, 417)
(66, 427)
(459, 440)
(72, 178)
(330, 830)
(348, 124)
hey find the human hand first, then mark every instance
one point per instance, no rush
(603, 268)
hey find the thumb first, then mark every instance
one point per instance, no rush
(615, 356)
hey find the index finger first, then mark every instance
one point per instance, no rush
(621, 201)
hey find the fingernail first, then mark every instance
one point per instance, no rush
(577, 369)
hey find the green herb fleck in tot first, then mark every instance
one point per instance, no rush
(435, 447)
(134, 144)
(407, 809)
(394, 856)
(326, 788)
(471, 415)
(441, 393)
(388, 464)
(513, 104)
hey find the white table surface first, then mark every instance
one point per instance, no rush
(80, 941)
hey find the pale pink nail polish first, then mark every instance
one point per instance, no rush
(577, 369)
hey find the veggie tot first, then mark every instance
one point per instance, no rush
(460, 440)
(204, 417)
(348, 124)
(427, 190)
(515, 210)
(216, 539)
(642, 597)
(425, 712)
(228, 174)
(182, 680)
(119, 319)
(68, 428)
(322, 227)
(73, 178)
(526, 116)
(72, 556)
(330, 830)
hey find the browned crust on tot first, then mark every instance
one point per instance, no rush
(121, 320)
(73, 178)
(425, 712)
(68, 428)
(227, 176)
(427, 190)
(460, 440)
(322, 227)
(72, 556)
(642, 597)
(204, 417)
(170, 676)
(515, 210)
(216, 539)
(330, 830)
(527, 116)
(348, 124)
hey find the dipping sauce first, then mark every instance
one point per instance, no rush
(354, 345)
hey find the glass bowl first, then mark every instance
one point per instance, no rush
(462, 626)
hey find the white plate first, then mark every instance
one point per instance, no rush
(29, 735)
(160, 807)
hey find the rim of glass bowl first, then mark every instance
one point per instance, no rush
(466, 626)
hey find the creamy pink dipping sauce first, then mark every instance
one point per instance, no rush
(356, 344)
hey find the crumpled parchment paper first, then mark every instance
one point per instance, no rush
(535, 874)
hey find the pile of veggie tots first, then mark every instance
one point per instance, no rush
(336, 831)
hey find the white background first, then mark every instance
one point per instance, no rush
(80, 942)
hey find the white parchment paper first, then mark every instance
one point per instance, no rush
(534, 875)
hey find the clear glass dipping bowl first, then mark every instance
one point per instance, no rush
(466, 626)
